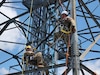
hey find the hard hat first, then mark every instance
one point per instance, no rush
(28, 46)
(64, 12)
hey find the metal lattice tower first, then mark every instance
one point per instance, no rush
(38, 27)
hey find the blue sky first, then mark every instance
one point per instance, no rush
(15, 36)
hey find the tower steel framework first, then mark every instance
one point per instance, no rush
(37, 23)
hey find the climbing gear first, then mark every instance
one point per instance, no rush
(66, 32)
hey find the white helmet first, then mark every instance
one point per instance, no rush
(64, 12)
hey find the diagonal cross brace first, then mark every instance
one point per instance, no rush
(89, 48)
(83, 4)
(10, 21)
(87, 69)
(7, 24)
(1, 3)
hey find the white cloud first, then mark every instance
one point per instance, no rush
(3, 71)
(8, 11)
(12, 35)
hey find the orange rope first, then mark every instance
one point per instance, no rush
(67, 53)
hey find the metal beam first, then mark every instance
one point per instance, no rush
(89, 48)
(67, 71)
(15, 56)
(91, 59)
(10, 21)
(12, 42)
(86, 29)
(83, 4)
(95, 51)
(74, 39)
(88, 39)
(15, 17)
(88, 70)
(38, 69)
(82, 72)
(39, 3)
(86, 21)
(5, 60)
(95, 32)
(1, 3)
(7, 24)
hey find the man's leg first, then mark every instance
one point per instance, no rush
(66, 38)
(39, 58)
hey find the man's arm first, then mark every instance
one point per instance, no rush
(73, 29)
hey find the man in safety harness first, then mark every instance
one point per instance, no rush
(34, 58)
(66, 27)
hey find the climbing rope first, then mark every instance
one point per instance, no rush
(31, 9)
(67, 53)
(23, 68)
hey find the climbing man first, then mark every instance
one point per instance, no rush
(34, 58)
(66, 27)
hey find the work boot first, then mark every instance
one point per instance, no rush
(40, 65)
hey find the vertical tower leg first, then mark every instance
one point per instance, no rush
(75, 50)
